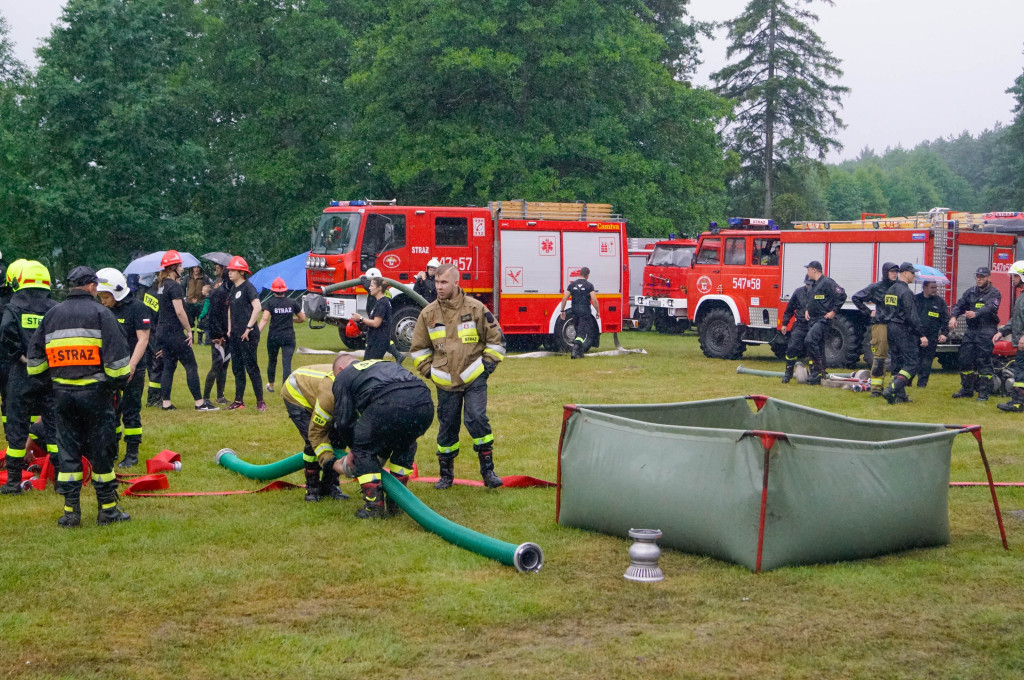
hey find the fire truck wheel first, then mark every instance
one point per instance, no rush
(402, 325)
(645, 321)
(565, 333)
(779, 345)
(670, 325)
(719, 336)
(351, 343)
(843, 344)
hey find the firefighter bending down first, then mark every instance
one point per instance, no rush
(905, 334)
(825, 299)
(380, 410)
(81, 350)
(306, 394)
(795, 308)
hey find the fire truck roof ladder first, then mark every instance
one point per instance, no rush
(537, 210)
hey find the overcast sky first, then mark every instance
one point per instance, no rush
(918, 69)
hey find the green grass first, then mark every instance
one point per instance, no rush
(267, 586)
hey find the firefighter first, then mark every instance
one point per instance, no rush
(905, 334)
(980, 306)
(217, 332)
(81, 350)
(588, 330)
(25, 397)
(1016, 328)
(425, 282)
(825, 299)
(136, 324)
(281, 312)
(795, 308)
(306, 394)
(377, 321)
(380, 410)
(243, 336)
(5, 367)
(154, 357)
(371, 301)
(934, 314)
(457, 343)
(875, 293)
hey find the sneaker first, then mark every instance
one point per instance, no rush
(207, 406)
(221, 400)
(269, 388)
(169, 408)
(236, 405)
(261, 406)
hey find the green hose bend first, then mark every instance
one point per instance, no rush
(227, 458)
(413, 295)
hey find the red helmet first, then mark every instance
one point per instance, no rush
(352, 329)
(171, 257)
(279, 286)
(238, 263)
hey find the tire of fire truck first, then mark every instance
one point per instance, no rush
(645, 321)
(351, 343)
(950, 361)
(670, 325)
(524, 343)
(719, 336)
(843, 344)
(402, 324)
(562, 339)
(778, 345)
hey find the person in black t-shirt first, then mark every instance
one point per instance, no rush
(243, 336)
(280, 312)
(587, 328)
(174, 334)
(378, 321)
(217, 332)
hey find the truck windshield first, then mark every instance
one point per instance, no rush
(672, 256)
(336, 233)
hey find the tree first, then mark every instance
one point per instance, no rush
(1016, 143)
(783, 88)
(15, 141)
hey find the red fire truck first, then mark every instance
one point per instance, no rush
(658, 301)
(736, 296)
(514, 256)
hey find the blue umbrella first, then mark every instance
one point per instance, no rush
(926, 273)
(147, 264)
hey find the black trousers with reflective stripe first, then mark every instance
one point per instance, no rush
(300, 418)
(26, 398)
(155, 365)
(903, 346)
(85, 428)
(470, 404)
(5, 369)
(587, 330)
(976, 351)
(925, 358)
(796, 347)
(389, 427)
(129, 407)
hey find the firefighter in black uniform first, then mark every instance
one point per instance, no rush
(136, 324)
(934, 315)
(1015, 329)
(588, 330)
(825, 299)
(380, 410)
(905, 334)
(875, 293)
(80, 348)
(5, 367)
(980, 305)
(425, 284)
(217, 332)
(154, 357)
(25, 398)
(795, 308)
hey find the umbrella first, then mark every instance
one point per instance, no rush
(223, 259)
(926, 273)
(147, 264)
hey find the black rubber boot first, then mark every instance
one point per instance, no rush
(14, 468)
(447, 465)
(110, 515)
(790, 365)
(491, 480)
(1016, 403)
(373, 495)
(330, 486)
(312, 484)
(71, 518)
(966, 386)
(392, 508)
(984, 387)
(131, 456)
(896, 392)
(815, 371)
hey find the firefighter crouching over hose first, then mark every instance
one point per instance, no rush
(306, 393)
(82, 351)
(25, 397)
(1016, 325)
(380, 410)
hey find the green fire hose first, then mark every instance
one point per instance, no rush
(413, 295)
(525, 557)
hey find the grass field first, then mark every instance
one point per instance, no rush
(268, 586)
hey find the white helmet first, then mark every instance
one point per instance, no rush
(373, 272)
(1018, 268)
(433, 263)
(113, 282)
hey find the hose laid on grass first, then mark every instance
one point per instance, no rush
(285, 466)
(525, 557)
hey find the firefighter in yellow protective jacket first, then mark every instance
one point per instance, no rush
(457, 343)
(81, 350)
(302, 393)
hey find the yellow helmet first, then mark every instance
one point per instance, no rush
(34, 275)
(14, 273)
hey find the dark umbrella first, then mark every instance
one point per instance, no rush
(223, 259)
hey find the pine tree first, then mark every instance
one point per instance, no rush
(783, 87)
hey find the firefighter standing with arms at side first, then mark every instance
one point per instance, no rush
(905, 334)
(82, 351)
(588, 329)
(457, 343)
(281, 313)
(244, 310)
(934, 315)
(795, 308)
(875, 293)
(980, 306)
(25, 397)
(1016, 327)
(825, 299)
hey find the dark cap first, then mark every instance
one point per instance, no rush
(82, 276)
(983, 271)
(814, 264)
(907, 267)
